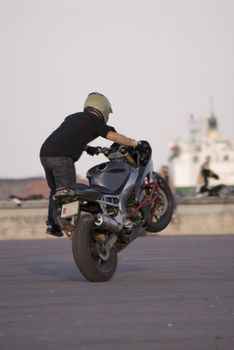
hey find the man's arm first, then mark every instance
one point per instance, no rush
(214, 175)
(121, 139)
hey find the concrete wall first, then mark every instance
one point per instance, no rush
(203, 219)
(22, 223)
(204, 216)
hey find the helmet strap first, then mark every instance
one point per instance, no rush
(93, 111)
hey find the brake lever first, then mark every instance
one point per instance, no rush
(123, 150)
(105, 151)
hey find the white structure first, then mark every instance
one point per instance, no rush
(205, 144)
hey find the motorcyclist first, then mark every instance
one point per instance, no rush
(65, 145)
(203, 187)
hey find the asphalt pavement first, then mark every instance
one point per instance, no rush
(167, 293)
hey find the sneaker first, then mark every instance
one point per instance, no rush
(54, 230)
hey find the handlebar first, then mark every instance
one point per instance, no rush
(104, 150)
(138, 156)
(114, 153)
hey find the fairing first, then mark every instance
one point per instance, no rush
(112, 175)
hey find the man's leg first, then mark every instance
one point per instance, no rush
(64, 175)
(64, 172)
(52, 187)
(52, 227)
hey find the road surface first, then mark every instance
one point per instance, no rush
(168, 293)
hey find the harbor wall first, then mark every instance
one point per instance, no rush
(193, 217)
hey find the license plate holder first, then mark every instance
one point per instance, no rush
(70, 209)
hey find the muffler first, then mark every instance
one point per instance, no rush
(107, 223)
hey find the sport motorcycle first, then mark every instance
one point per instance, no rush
(125, 199)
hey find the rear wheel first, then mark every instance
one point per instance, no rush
(163, 209)
(93, 261)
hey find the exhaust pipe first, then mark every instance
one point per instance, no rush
(107, 223)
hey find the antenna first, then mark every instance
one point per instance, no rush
(211, 106)
(212, 124)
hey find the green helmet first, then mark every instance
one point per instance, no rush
(99, 104)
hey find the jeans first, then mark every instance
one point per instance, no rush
(60, 172)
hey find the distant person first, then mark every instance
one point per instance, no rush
(65, 145)
(165, 174)
(203, 188)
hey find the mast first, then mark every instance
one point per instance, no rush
(212, 131)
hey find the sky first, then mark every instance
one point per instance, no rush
(158, 62)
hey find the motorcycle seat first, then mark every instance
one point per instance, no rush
(83, 191)
(104, 190)
(100, 189)
(89, 193)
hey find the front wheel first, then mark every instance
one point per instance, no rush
(92, 262)
(163, 209)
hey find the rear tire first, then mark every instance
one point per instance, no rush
(161, 221)
(93, 268)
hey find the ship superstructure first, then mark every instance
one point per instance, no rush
(204, 144)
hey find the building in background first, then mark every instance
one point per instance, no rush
(205, 144)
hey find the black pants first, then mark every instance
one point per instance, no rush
(60, 172)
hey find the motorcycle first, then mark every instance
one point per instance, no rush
(125, 199)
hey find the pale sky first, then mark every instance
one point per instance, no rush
(158, 61)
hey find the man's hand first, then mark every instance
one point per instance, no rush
(93, 150)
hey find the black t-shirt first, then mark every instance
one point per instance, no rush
(208, 173)
(72, 136)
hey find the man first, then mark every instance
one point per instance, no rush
(65, 145)
(203, 188)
